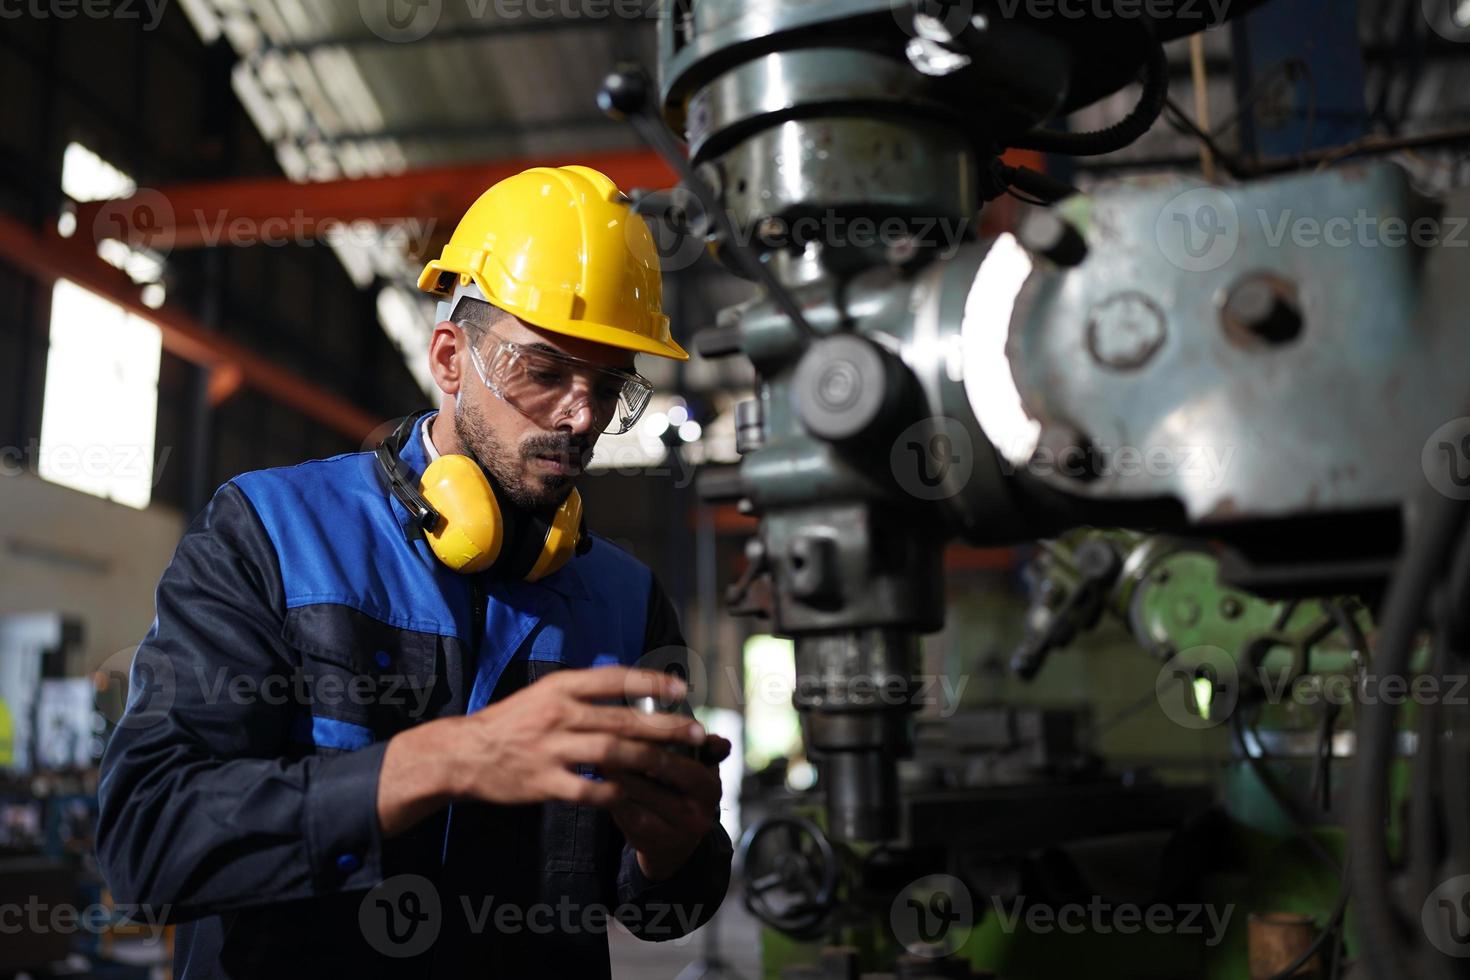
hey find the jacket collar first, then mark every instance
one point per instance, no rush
(567, 581)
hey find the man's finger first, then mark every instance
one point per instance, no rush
(607, 752)
(609, 683)
(716, 749)
(656, 727)
(658, 796)
(640, 823)
(572, 788)
(687, 777)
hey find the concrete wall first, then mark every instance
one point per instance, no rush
(98, 560)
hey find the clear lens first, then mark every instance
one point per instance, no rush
(550, 387)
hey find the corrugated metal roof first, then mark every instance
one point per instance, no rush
(342, 90)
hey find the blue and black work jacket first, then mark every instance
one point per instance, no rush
(299, 627)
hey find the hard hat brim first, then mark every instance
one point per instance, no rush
(597, 333)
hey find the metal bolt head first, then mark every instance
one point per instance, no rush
(1262, 307)
(1125, 330)
(1047, 233)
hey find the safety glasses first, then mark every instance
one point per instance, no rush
(548, 386)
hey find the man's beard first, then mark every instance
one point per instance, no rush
(509, 465)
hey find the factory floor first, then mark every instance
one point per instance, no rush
(737, 934)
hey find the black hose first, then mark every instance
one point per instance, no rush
(1428, 552)
(1120, 134)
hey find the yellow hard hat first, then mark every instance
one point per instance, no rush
(560, 248)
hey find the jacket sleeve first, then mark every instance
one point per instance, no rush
(678, 905)
(201, 808)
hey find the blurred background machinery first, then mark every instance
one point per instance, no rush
(1070, 477)
(912, 390)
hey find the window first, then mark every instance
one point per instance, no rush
(100, 412)
(87, 177)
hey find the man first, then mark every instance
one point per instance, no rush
(344, 750)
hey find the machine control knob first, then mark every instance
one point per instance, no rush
(624, 93)
(1048, 234)
(843, 385)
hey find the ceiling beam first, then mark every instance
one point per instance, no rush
(48, 258)
(274, 209)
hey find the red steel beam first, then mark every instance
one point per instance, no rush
(249, 211)
(48, 258)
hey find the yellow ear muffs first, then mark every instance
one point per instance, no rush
(471, 532)
(561, 538)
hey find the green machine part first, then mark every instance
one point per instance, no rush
(1272, 678)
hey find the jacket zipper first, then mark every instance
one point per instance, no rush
(478, 603)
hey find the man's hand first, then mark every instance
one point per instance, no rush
(667, 810)
(525, 749)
